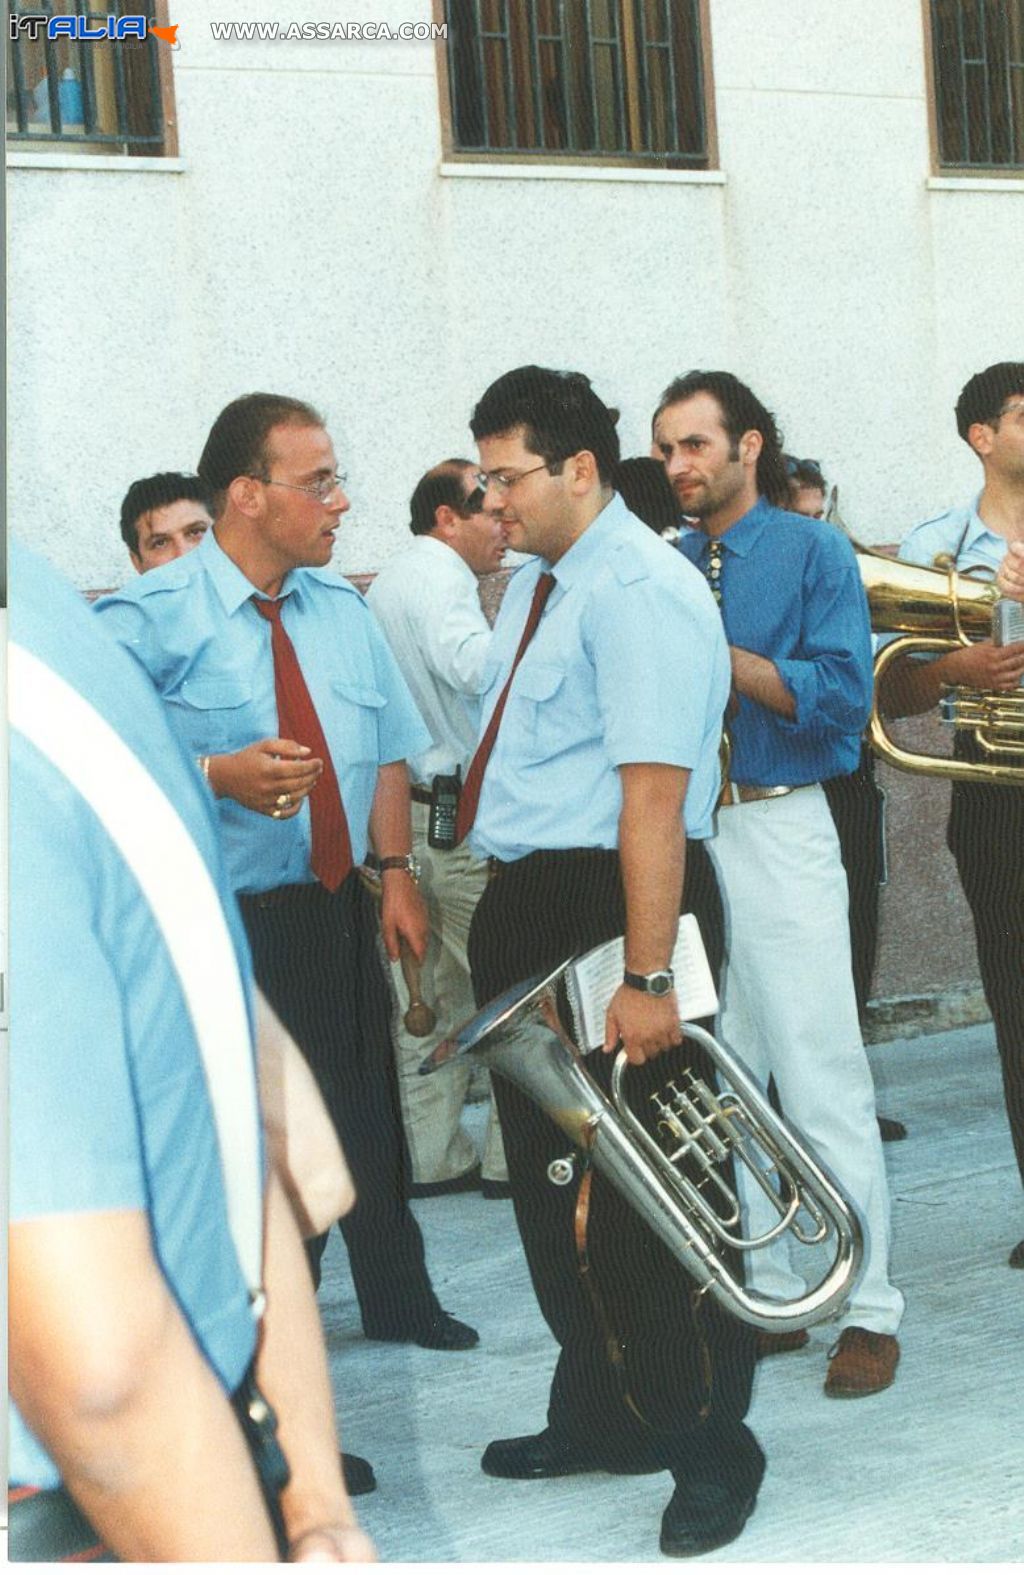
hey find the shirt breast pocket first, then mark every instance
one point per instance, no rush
(215, 711)
(542, 716)
(358, 711)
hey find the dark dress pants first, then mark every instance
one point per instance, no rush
(687, 1365)
(986, 838)
(856, 804)
(316, 959)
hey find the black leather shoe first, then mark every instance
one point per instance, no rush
(891, 1131)
(548, 1454)
(493, 1190)
(1016, 1258)
(469, 1181)
(701, 1516)
(447, 1334)
(358, 1474)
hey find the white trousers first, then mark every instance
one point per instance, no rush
(788, 1010)
(451, 883)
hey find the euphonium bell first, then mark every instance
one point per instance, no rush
(682, 1191)
(934, 611)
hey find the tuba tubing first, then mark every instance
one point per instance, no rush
(552, 1073)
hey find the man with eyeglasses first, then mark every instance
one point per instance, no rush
(427, 601)
(986, 824)
(590, 793)
(279, 682)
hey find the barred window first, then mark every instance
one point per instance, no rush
(610, 80)
(978, 73)
(95, 95)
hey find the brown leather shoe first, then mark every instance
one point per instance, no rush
(862, 1364)
(772, 1344)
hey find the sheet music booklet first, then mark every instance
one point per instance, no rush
(593, 979)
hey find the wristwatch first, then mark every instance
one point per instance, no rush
(660, 983)
(400, 861)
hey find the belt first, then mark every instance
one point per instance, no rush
(419, 795)
(742, 793)
(283, 896)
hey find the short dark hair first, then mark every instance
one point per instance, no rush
(157, 492)
(647, 492)
(442, 486)
(982, 398)
(237, 444)
(559, 414)
(742, 412)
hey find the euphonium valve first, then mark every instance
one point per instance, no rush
(681, 1186)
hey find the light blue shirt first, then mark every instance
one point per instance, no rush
(193, 626)
(628, 665)
(792, 592)
(959, 531)
(109, 1102)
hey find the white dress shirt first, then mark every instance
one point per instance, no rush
(428, 606)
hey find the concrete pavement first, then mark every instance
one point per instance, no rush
(933, 1469)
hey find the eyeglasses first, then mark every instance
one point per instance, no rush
(321, 490)
(504, 480)
(793, 465)
(474, 503)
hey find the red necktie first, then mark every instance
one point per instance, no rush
(331, 856)
(470, 796)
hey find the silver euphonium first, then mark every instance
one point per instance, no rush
(701, 1128)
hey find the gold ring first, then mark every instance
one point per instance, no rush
(275, 814)
(283, 801)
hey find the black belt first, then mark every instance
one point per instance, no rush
(284, 896)
(419, 795)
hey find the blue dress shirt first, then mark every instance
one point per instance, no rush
(109, 1101)
(628, 665)
(192, 625)
(792, 592)
(960, 532)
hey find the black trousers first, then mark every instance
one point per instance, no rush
(986, 838)
(687, 1365)
(316, 959)
(856, 803)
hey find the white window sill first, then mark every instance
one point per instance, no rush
(94, 161)
(499, 170)
(975, 183)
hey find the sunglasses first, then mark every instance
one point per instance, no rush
(793, 465)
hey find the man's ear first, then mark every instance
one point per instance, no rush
(979, 436)
(751, 444)
(246, 495)
(445, 522)
(584, 472)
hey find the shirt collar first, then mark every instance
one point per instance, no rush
(977, 531)
(232, 586)
(573, 565)
(432, 547)
(742, 536)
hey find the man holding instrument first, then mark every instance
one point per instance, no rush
(589, 794)
(427, 602)
(986, 823)
(277, 679)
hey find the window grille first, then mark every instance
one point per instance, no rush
(978, 63)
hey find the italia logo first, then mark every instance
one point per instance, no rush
(84, 29)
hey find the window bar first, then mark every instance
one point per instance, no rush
(120, 94)
(572, 138)
(1010, 66)
(85, 78)
(698, 77)
(510, 80)
(52, 80)
(588, 54)
(482, 66)
(20, 90)
(965, 127)
(987, 80)
(156, 99)
(533, 27)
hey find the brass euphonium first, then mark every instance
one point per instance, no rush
(934, 611)
(702, 1128)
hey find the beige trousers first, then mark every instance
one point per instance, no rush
(451, 883)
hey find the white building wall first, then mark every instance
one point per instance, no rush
(310, 244)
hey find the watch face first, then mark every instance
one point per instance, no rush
(660, 983)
